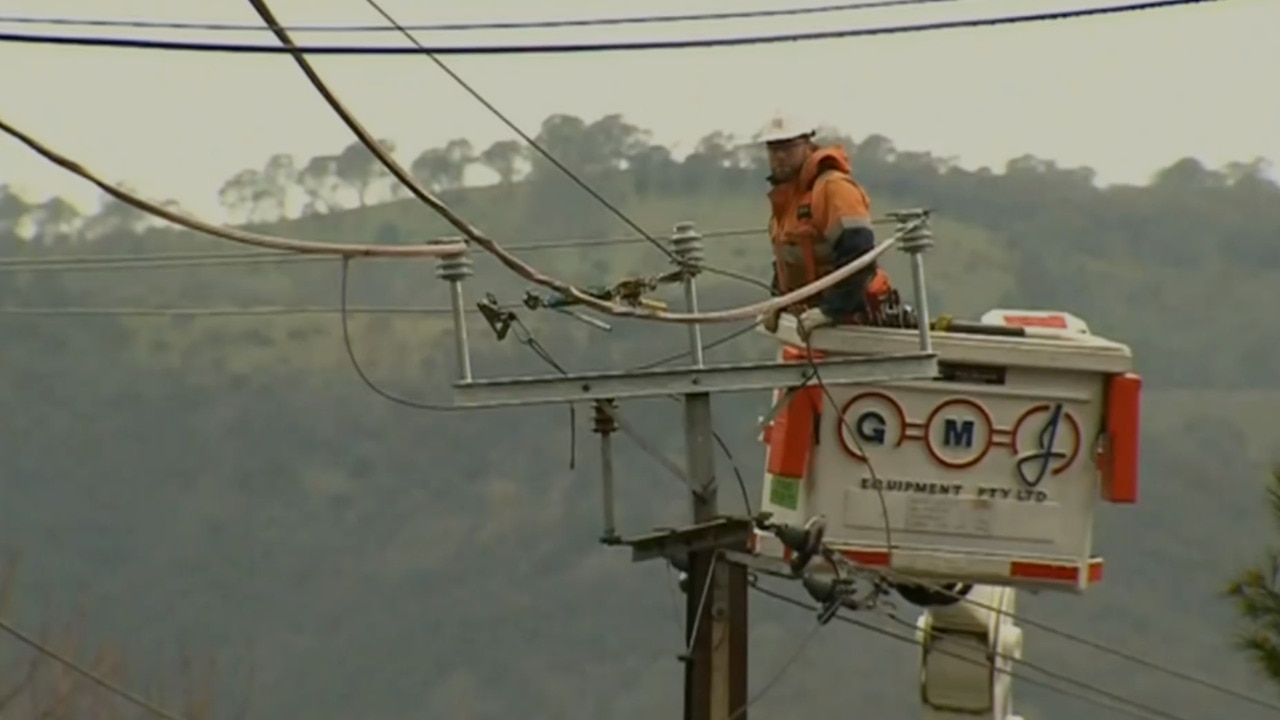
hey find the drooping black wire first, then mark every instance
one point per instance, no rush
(468, 26)
(528, 139)
(541, 351)
(1124, 704)
(588, 47)
(526, 337)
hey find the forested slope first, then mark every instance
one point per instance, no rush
(227, 481)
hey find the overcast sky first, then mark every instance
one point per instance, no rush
(1124, 94)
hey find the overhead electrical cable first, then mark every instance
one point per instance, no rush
(1085, 641)
(244, 237)
(523, 269)
(179, 259)
(513, 263)
(780, 673)
(542, 150)
(848, 431)
(126, 261)
(526, 337)
(86, 673)
(246, 311)
(469, 26)
(406, 178)
(590, 47)
(1123, 704)
(349, 347)
(471, 233)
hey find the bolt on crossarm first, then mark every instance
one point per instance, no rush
(453, 269)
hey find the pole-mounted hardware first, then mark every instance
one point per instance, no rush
(453, 269)
(687, 245)
(499, 318)
(628, 291)
(804, 542)
(836, 592)
(917, 239)
(605, 424)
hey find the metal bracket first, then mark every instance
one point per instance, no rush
(499, 319)
(676, 544)
(657, 382)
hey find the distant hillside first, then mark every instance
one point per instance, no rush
(228, 482)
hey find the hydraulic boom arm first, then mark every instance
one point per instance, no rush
(967, 651)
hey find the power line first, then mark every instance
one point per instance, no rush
(128, 261)
(473, 234)
(313, 310)
(1126, 705)
(349, 347)
(443, 249)
(588, 47)
(526, 337)
(1104, 648)
(779, 673)
(87, 674)
(469, 231)
(255, 311)
(467, 26)
(505, 120)
(542, 150)
(236, 235)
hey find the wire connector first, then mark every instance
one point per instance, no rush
(836, 594)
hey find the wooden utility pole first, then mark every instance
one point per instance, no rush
(716, 609)
(715, 674)
(715, 679)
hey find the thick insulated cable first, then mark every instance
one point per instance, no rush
(270, 242)
(515, 264)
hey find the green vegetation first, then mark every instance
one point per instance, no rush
(1256, 592)
(229, 481)
(39, 684)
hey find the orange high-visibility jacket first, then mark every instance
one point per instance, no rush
(822, 220)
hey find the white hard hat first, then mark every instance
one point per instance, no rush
(782, 128)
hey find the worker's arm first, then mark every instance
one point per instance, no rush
(846, 220)
(775, 286)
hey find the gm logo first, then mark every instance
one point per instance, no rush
(957, 433)
(870, 427)
(1033, 464)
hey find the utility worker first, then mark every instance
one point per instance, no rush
(821, 220)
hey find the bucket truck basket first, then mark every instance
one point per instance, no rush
(988, 474)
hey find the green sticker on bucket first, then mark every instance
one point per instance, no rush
(784, 492)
